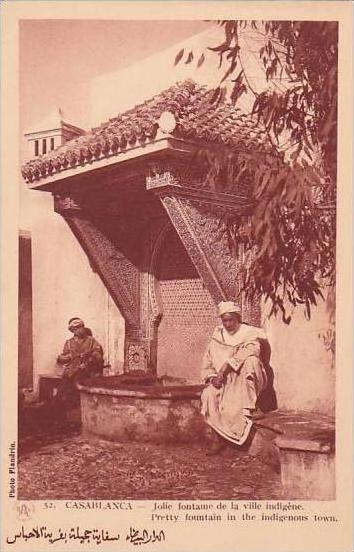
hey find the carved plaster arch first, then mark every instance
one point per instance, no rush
(155, 297)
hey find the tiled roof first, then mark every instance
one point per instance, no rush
(197, 120)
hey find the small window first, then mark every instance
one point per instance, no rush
(36, 148)
(52, 143)
(44, 146)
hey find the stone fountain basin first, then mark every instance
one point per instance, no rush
(121, 408)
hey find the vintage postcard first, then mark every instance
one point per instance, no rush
(176, 283)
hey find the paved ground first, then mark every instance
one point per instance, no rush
(62, 464)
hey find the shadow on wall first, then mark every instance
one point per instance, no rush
(267, 400)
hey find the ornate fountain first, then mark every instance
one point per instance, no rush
(133, 193)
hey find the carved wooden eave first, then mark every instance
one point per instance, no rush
(106, 167)
(161, 154)
(169, 184)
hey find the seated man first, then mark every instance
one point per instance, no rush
(82, 357)
(235, 377)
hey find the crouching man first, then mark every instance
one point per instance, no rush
(82, 357)
(235, 377)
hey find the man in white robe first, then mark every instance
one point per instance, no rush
(235, 377)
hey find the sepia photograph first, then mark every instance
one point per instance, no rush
(177, 261)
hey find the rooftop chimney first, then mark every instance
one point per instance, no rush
(49, 134)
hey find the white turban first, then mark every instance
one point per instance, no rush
(228, 307)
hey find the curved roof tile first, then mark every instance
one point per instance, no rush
(196, 119)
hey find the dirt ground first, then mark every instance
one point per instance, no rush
(63, 464)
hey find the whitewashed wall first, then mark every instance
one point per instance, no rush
(64, 286)
(303, 367)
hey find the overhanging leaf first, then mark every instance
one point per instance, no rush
(179, 56)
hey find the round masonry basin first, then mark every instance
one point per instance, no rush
(150, 410)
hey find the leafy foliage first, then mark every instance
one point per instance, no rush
(288, 232)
